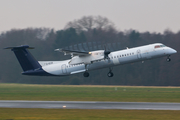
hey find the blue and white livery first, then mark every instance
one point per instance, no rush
(87, 61)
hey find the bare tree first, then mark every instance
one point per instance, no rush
(88, 23)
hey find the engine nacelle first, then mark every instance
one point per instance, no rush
(88, 59)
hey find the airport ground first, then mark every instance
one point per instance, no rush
(88, 93)
(76, 114)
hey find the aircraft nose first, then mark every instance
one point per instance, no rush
(173, 51)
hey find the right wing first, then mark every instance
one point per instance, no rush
(73, 52)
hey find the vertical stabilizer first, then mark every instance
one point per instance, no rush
(25, 58)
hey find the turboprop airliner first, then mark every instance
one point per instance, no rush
(83, 62)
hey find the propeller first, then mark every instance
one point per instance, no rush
(106, 53)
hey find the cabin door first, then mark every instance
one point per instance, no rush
(63, 68)
(146, 54)
(139, 54)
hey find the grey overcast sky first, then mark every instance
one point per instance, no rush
(141, 15)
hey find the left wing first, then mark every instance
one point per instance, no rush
(78, 57)
(73, 52)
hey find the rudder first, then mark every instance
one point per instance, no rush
(25, 58)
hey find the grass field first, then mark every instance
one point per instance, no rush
(89, 93)
(73, 114)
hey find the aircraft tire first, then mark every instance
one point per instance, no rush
(86, 74)
(168, 59)
(110, 74)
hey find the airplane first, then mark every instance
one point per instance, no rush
(84, 61)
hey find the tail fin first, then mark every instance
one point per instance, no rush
(25, 58)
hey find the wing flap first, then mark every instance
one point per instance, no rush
(79, 71)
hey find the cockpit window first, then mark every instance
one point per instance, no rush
(162, 45)
(159, 46)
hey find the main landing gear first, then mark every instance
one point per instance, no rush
(110, 74)
(168, 59)
(86, 74)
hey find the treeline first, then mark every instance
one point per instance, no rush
(88, 29)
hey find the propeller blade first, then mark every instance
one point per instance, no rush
(106, 53)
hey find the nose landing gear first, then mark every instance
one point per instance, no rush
(168, 59)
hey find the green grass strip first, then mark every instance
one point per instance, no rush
(74, 114)
(89, 93)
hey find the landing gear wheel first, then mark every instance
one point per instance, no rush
(86, 74)
(168, 59)
(110, 74)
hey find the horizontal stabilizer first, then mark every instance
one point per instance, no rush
(20, 47)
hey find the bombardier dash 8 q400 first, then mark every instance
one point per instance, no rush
(85, 61)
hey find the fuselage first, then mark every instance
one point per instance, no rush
(129, 55)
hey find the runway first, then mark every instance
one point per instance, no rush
(89, 105)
